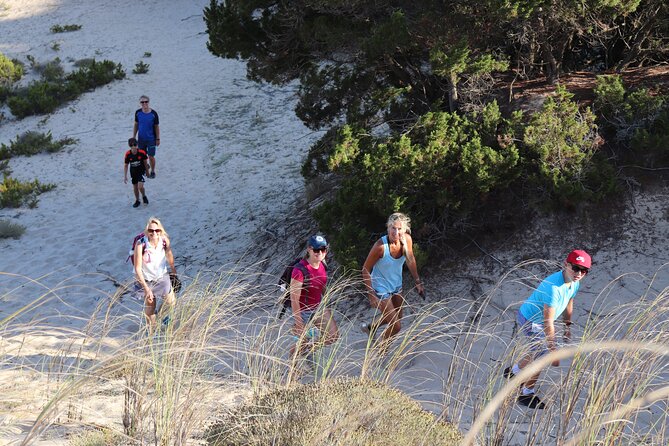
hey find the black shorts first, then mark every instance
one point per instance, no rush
(137, 176)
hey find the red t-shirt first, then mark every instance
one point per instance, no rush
(316, 286)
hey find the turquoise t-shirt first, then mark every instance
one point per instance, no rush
(554, 292)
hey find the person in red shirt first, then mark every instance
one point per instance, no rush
(136, 160)
(313, 323)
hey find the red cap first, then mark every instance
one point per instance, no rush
(580, 258)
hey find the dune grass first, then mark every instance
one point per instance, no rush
(222, 361)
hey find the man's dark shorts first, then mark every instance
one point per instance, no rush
(148, 146)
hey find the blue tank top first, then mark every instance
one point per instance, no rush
(387, 272)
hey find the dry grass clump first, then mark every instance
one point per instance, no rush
(348, 412)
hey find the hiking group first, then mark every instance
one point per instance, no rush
(306, 278)
(140, 159)
(314, 325)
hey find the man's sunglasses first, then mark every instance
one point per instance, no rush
(579, 269)
(324, 249)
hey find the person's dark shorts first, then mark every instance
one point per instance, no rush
(137, 176)
(148, 146)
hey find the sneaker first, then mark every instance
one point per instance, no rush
(365, 328)
(152, 174)
(146, 200)
(136, 205)
(508, 373)
(532, 401)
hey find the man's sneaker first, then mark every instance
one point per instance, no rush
(136, 205)
(146, 200)
(532, 401)
(152, 174)
(508, 373)
(365, 327)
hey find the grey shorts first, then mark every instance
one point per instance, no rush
(534, 333)
(160, 288)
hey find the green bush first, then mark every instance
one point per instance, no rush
(10, 230)
(637, 119)
(51, 71)
(31, 143)
(333, 413)
(45, 96)
(439, 172)
(10, 70)
(451, 171)
(64, 29)
(562, 139)
(15, 193)
(141, 68)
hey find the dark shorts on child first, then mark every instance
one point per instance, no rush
(137, 176)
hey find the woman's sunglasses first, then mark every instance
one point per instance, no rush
(319, 249)
(151, 231)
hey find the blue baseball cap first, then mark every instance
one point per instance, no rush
(317, 241)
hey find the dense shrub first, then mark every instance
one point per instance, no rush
(31, 143)
(51, 71)
(45, 96)
(333, 413)
(10, 70)
(15, 193)
(10, 230)
(562, 140)
(449, 171)
(637, 119)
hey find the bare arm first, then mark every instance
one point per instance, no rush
(137, 260)
(156, 131)
(295, 293)
(169, 256)
(125, 172)
(135, 127)
(566, 318)
(549, 330)
(411, 263)
(374, 255)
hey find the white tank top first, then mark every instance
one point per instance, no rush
(154, 263)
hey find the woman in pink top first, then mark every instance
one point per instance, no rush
(306, 294)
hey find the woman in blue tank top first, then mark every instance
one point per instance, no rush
(382, 274)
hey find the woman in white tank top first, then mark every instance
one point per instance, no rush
(151, 259)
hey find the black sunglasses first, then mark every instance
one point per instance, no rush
(143, 102)
(579, 269)
(323, 249)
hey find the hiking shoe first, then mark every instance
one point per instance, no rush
(136, 205)
(146, 200)
(508, 373)
(532, 401)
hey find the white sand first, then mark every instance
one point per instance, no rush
(227, 169)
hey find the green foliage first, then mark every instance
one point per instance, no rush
(563, 140)
(15, 193)
(141, 68)
(333, 413)
(10, 70)
(45, 96)
(31, 143)
(10, 230)
(439, 172)
(51, 71)
(638, 119)
(65, 28)
(147, 54)
(55, 46)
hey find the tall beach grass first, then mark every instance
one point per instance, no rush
(101, 373)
